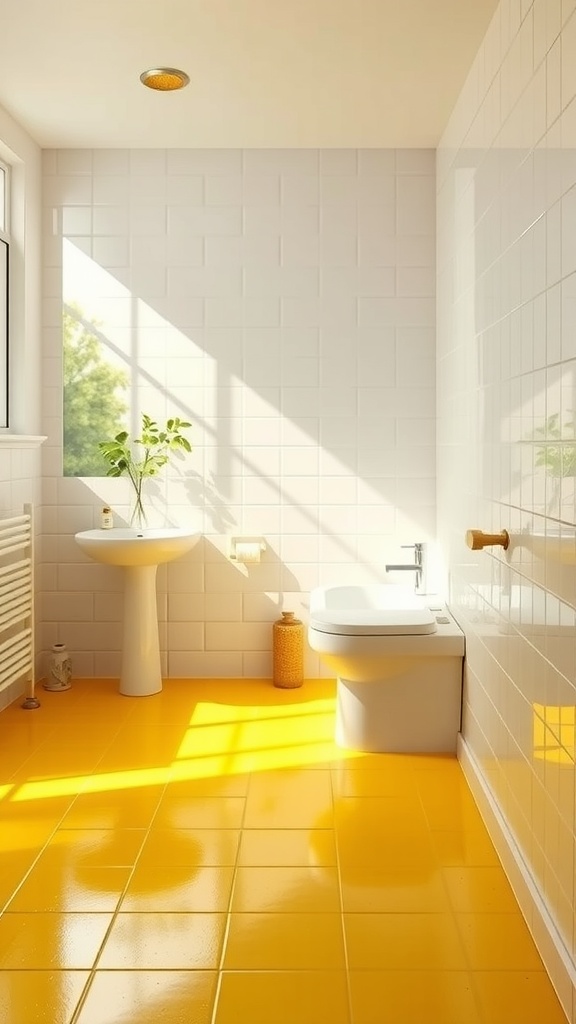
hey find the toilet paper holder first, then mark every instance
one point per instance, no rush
(247, 549)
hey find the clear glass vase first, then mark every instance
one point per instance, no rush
(138, 518)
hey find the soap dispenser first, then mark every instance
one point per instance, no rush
(106, 518)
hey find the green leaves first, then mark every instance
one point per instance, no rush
(155, 443)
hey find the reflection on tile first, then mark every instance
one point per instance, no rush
(192, 847)
(178, 888)
(291, 889)
(41, 941)
(35, 997)
(287, 846)
(146, 997)
(82, 889)
(199, 812)
(91, 848)
(289, 799)
(163, 941)
(128, 809)
(284, 941)
(226, 898)
(374, 890)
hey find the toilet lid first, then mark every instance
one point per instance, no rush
(374, 621)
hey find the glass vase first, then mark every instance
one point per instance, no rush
(138, 518)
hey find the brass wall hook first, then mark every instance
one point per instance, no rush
(476, 539)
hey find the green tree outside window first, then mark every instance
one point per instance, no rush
(93, 403)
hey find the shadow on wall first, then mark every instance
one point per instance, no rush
(214, 614)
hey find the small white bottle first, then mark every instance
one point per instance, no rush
(106, 518)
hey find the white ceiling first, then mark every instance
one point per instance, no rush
(263, 73)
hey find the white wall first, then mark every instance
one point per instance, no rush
(20, 460)
(283, 300)
(506, 366)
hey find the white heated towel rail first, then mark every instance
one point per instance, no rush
(17, 602)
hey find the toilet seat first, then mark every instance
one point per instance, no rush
(374, 622)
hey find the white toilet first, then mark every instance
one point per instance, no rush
(398, 660)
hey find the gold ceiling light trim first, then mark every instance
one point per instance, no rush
(164, 79)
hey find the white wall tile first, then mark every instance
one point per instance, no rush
(184, 190)
(223, 190)
(252, 271)
(507, 319)
(109, 189)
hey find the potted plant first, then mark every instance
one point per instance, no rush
(141, 457)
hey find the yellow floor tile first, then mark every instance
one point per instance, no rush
(284, 942)
(9, 883)
(282, 997)
(471, 888)
(472, 847)
(348, 782)
(38, 997)
(289, 799)
(87, 889)
(209, 856)
(200, 812)
(148, 997)
(190, 847)
(367, 847)
(413, 997)
(379, 891)
(48, 941)
(94, 847)
(517, 997)
(403, 942)
(286, 889)
(287, 846)
(179, 888)
(125, 809)
(28, 824)
(448, 803)
(498, 942)
(396, 816)
(222, 785)
(164, 941)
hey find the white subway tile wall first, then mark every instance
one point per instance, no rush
(283, 301)
(506, 426)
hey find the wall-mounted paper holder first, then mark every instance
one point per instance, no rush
(247, 549)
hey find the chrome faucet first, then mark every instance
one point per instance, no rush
(418, 566)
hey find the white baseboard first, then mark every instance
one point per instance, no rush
(556, 958)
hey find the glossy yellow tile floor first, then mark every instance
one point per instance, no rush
(208, 856)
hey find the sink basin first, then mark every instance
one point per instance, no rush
(133, 547)
(138, 553)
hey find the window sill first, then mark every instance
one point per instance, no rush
(21, 440)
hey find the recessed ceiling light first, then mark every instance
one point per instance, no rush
(164, 79)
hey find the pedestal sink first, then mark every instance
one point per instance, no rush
(139, 553)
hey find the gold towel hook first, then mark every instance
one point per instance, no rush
(476, 539)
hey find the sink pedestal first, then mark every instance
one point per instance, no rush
(141, 674)
(139, 552)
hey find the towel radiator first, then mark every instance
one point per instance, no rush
(17, 603)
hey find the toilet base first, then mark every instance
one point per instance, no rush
(417, 710)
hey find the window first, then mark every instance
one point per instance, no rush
(4, 268)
